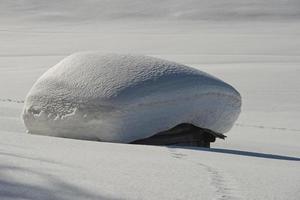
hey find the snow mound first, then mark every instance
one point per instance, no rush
(122, 98)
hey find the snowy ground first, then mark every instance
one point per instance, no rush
(260, 57)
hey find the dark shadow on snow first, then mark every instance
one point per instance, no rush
(241, 153)
(54, 188)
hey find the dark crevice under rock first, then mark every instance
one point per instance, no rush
(183, 135)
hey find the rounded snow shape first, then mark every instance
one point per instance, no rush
(123, 98)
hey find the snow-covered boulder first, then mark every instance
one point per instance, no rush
(122, 98)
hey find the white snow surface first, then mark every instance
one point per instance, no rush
(75, 11)
(123, 98)
(256, 49)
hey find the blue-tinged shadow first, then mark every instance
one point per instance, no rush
(242, 153)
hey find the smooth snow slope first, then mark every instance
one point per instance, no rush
(39, 167)
(261, 58)
(94, 10)
(123, 98)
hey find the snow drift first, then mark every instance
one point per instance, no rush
(122, 98)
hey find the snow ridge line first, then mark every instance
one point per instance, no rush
(267, 127)
(237, 124)
(11, 100)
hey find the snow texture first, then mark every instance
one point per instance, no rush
(255, 47)
(122, 98)
(95, 10)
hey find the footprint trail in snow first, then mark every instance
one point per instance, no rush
(226, 188)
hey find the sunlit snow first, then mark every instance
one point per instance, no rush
(252, 45)
(122, 98)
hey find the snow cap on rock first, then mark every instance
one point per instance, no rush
(122, 98)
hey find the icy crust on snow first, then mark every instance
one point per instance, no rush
(122, 98)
